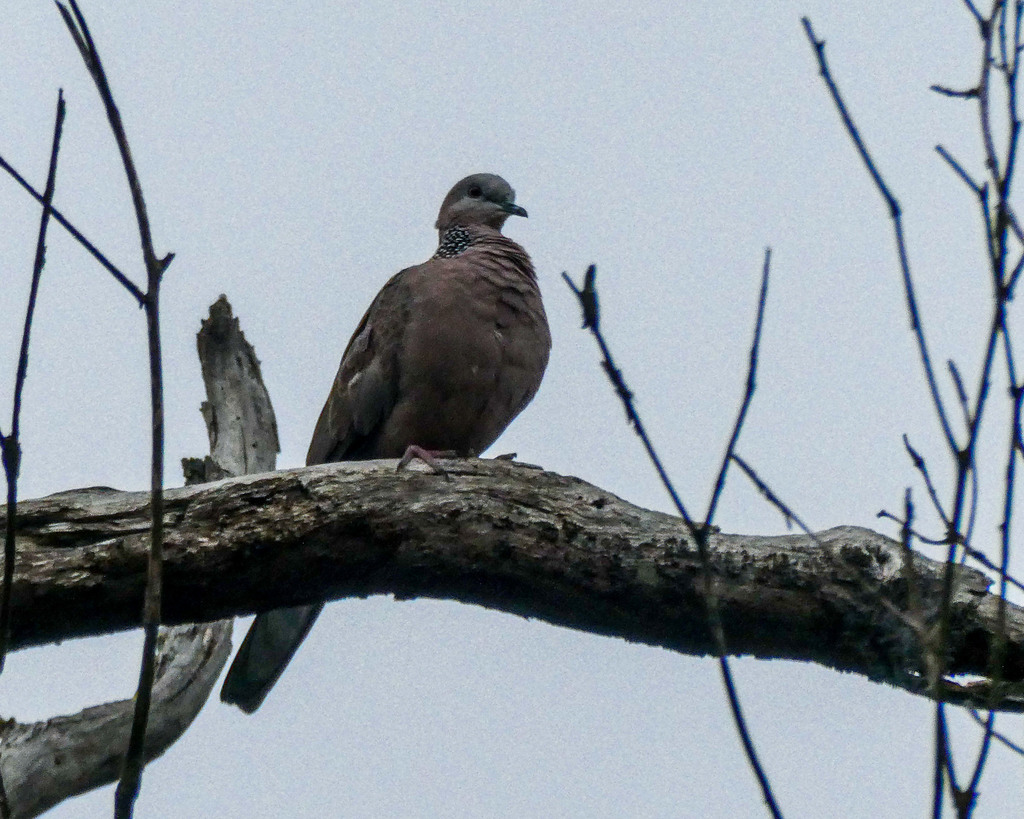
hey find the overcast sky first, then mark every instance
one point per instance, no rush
(294, 156)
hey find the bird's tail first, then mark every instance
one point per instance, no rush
(272, 641)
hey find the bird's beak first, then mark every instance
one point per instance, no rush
(512, 209)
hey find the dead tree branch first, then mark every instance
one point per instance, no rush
(510, 538)
(243, 435)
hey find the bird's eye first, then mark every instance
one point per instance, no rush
(475, 192)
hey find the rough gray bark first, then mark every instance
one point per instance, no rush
(239, 417)
(511, 538)
(47, 762)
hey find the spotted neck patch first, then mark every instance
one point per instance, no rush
(454, 241)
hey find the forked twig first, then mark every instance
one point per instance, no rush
(748, 394)
(587, 296)
(897, 220)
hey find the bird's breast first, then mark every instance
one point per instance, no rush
(475, 351)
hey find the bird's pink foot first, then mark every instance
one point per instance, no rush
(428, 456)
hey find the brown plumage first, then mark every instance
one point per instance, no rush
(448, 353)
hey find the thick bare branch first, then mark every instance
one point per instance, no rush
(507, 537)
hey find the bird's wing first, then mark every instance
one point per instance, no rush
(364, 390)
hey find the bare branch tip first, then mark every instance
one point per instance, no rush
(956, 93)
(587, 297)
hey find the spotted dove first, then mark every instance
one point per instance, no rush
(449, 352)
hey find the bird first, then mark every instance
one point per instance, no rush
(447, 355)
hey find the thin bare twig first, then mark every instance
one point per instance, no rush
(969, 551)
(1014, 277)
(996, 735)
(748, 394)
(1000, 222)
(131, 776)
(885, 514)
(701, 536)
(968, 535)
(906, 543)
(999, 648)
(986, 744)
(939, 768)
(11, 443)
(959, 170)
(60, 219)
(980, 190)
(964, 94)
(961, 393)
(787, 512)
(997, 225)
(977, 15)
(897, 220)
(1011, 367)
(922, 467)
(587, 296)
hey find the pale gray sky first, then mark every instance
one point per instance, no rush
(294, 157)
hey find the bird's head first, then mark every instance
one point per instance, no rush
(480, 199)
